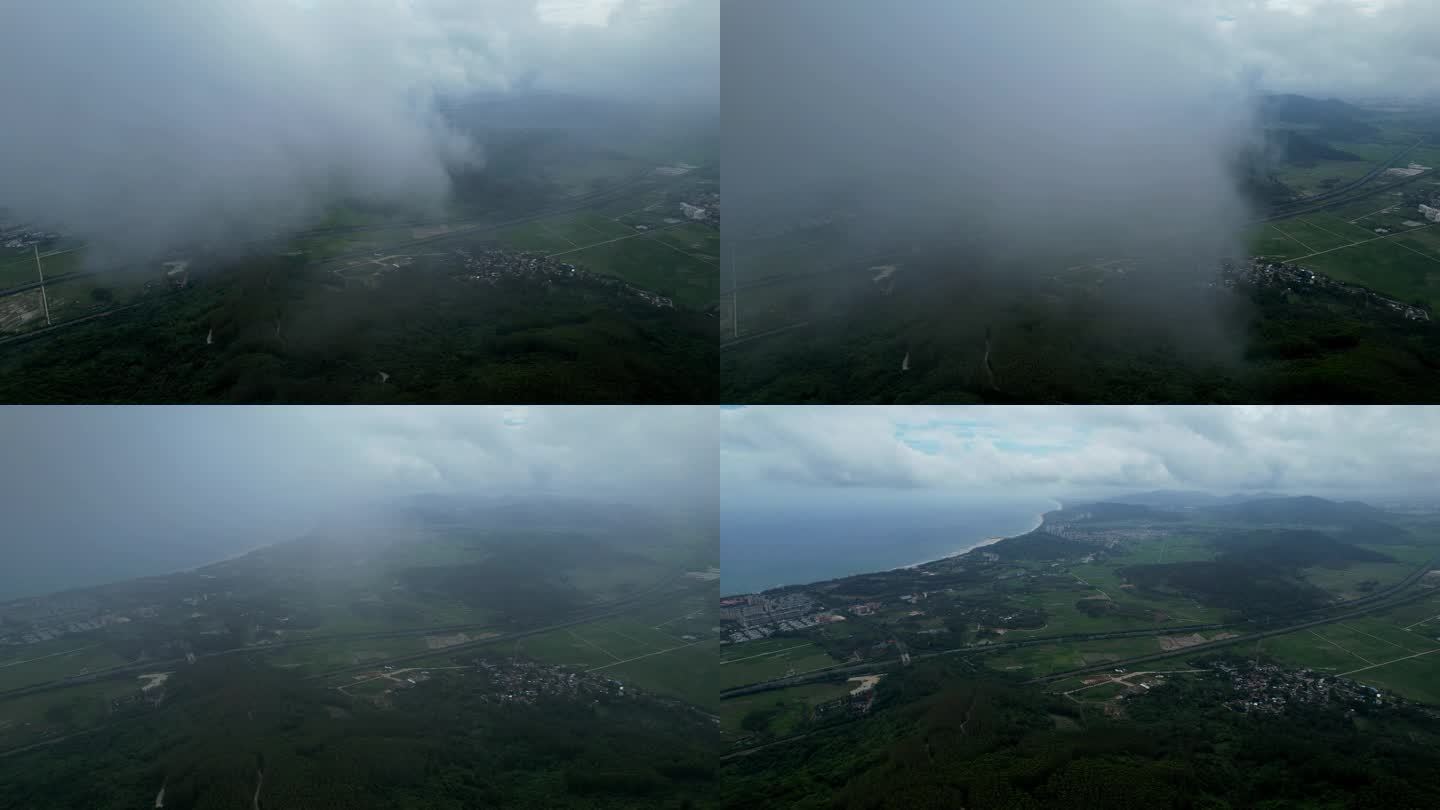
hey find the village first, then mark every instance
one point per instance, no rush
(1263, 272)
(503, 681)
(1270, 689)
(492, 265)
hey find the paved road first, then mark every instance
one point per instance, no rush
(1353, 184)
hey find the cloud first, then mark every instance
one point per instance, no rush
(1069, 449)
(1337, 47)
(1005, 141)
(142, 124)
(94, 494)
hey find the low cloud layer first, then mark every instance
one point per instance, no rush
(141, 124)
(1032, 127)
(95, 494)
(1349, 48)
(1067, 451)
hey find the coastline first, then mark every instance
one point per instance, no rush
(990, 541)
(1039, 520)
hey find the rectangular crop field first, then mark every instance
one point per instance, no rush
(757, 661)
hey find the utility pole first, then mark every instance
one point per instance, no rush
(734, 301)
(41, 270)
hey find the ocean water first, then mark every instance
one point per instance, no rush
(812, 537)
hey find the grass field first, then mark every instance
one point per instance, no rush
(1043, 660)
(1341, 582)
(51, 660)
(14, 272)
(791, 706)
(1100, 693)
(700, 240)
(1404, 264)
(1398, 650)
(35, 717)
(563, 232)
(677, 260)
(757, 661)
(1310, 179)
(1310, 237)
(630, 649)
(647, 262)
(327, 655)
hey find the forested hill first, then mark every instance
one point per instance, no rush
(949, 738)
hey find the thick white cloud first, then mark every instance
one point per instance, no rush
(138, 124)
(101, 493)
(1073, 449)
(1335, 47)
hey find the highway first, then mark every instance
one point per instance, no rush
(1336, 203)
(1350, 186)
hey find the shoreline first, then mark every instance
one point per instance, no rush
(1039, 521)
(989, 541)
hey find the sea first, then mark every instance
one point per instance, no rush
(810, 538)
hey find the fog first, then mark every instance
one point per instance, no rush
(1028, 123)
(1355, 49)
(1004, 140)
(141, 124)
(105, 493)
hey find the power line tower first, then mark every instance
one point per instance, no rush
(41, 270)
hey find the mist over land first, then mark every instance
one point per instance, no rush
(148, 125)
(1039, 130)
(102, 494)
(1042, 202)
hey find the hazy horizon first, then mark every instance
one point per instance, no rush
(785, 469)
(263, 114)
(98, 495)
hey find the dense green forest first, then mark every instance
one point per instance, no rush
(947, 737)
(283, 332)
(996, 340)
(240, 734)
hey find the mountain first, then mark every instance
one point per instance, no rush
(1183, 499)
(1292, 549)
(1330, 119)
(1298, 149)
(1302, 509)
(1107, 510)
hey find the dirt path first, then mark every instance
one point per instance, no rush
(259, 783)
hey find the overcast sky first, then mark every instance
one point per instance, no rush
(1352, 48)
(1077, 451)
(101, 493)
(136, 123)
